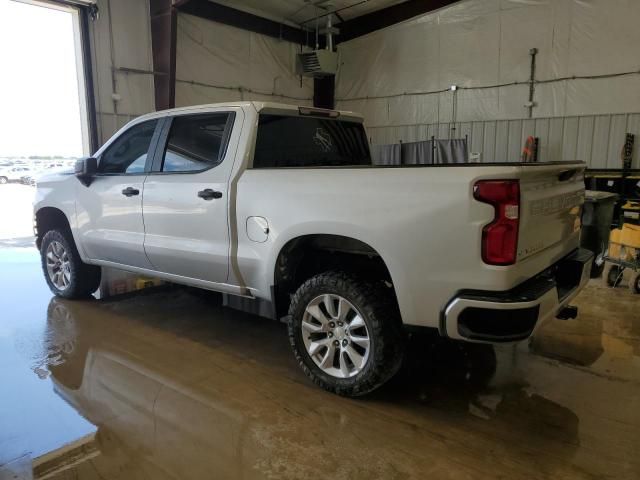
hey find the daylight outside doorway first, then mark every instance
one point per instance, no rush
(43, 123)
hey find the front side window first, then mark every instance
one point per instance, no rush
(195, 142)
(297, 141)
(128, 153)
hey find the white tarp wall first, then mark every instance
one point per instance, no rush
(399, 78)
(215, 63)
(219, 63)
(122, 63)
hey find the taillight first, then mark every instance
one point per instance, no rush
(500, 237)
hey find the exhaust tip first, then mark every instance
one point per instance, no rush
(567, 313)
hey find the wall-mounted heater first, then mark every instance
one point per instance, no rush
(319, 63)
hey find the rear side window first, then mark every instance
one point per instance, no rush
(128, 153)
(291, 141)
(196, 142)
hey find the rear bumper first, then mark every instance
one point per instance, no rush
(485, 316)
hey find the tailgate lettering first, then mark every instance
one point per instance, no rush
(547, 206)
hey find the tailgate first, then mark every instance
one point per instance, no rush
(551, 199)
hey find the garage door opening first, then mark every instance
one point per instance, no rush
(44, 123)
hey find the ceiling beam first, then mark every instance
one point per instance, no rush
(247, 21)
(370, 22)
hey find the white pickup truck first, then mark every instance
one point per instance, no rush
(281, 205)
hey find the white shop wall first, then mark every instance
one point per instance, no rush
(399, 78)
(219, 63)
(122, 63)
(214, 63)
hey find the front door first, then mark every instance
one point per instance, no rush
(186, 196)
(109, 210)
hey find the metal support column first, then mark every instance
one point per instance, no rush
(164, 19)
(324, 92)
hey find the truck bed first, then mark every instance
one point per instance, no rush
(422, 220)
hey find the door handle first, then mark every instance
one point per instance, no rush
(209, 194)
(130, 191)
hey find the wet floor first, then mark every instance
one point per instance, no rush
(180, 387)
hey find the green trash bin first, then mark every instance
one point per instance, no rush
(597, 217)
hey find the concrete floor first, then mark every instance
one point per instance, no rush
(180, 387)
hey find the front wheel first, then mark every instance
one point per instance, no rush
(3, 180)
(345, 333)
(65, 272)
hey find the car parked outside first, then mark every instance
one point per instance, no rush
(13, 174)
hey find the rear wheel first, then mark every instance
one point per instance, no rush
(65, 272)
(3, 180)
(345, 333)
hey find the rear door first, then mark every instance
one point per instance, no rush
(186, 197)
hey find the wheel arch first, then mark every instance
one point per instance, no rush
(306, 255)
(49, 218)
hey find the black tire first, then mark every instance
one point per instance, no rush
(612, 275)
(84, 279)
(380, 313)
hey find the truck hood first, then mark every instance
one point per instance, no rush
(53, 177)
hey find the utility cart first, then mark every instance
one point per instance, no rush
(624, 253)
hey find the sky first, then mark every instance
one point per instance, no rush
(39, 106)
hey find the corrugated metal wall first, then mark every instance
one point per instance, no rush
(595, 139)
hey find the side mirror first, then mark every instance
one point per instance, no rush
(85, 169)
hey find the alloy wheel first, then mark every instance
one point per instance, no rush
(335, 336)
(58, 265)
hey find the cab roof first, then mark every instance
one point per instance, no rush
(271, 107)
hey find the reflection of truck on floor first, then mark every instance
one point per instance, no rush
(152, 419)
